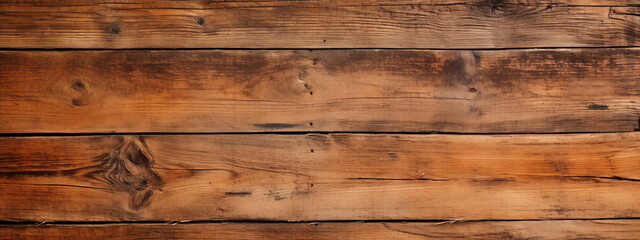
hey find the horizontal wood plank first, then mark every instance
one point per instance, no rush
(561, 90)
(318, 24)
(567, 229)
(320, 177)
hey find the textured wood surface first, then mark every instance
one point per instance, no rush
(562, 90)
(320, 177)
(262, 112)
(318, 24)
(601, 229)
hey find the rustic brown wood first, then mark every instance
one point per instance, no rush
(577, 90)
(318, 24)
(320, 177)
(601, 229)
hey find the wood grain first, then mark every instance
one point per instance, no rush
(568, 229)
(561, 90)
(318, 24)
(320, 177)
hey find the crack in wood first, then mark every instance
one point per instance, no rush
(434, 235)
(59, 185)
(400, 179)
(496, 180)
(127, 168)
(617, 178)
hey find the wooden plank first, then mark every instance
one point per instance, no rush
(559, 229)
(562, 90)
(318, 24)
(320, 177)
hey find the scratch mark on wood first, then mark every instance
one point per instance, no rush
(239, 194)
(400, 179)
(275, 125)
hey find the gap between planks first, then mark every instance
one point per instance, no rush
(309, 49)
(434, 221)
(61, 134)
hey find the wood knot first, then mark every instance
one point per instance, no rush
(200, 21)
(78, 102)
(78, 85)
(80, 94)
(127, 168)
(114, 28)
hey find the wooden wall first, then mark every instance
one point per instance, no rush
(320, 119)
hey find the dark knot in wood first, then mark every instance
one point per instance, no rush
(128, 169)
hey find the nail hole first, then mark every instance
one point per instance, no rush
(310, 93)
(310, 124)
(311, 150)
(312, 185)
(200, 21)
(324, 40)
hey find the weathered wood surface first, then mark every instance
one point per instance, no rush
(558, 229)
(318, 24)
(562, 90)
(320, 177)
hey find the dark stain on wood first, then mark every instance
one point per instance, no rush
(476, 111)
(492, 8)
(128, 168)
(275, 125)
(598, 107)
(456, 71)
(558, 165)
(560, 210)
(340, 62)
(552, 65)
(627, 16)
(393, 155)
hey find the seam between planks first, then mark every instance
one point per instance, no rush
(310, 49)
(61, 134)
(435, 221)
